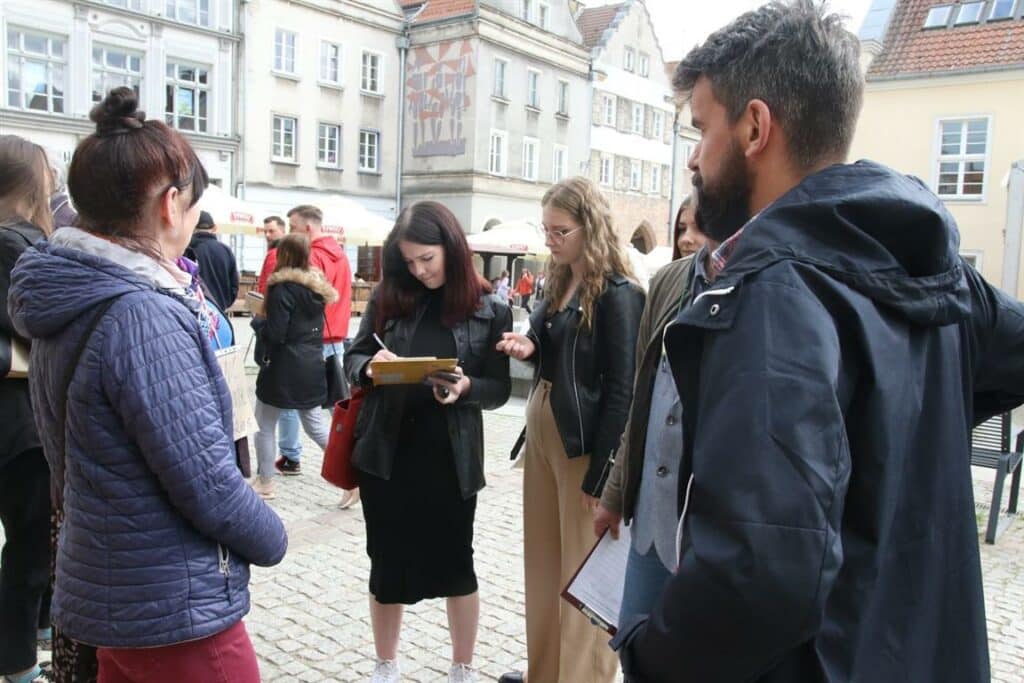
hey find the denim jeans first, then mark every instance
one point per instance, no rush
(288, 441)
(314, 421)
(646, 576)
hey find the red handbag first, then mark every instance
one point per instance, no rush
(338, 468)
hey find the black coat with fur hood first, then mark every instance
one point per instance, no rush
(291, 357)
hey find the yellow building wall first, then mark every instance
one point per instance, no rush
(899, 127)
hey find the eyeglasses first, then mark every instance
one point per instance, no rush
(557, 236)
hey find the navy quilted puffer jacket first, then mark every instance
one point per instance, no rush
(160, 526)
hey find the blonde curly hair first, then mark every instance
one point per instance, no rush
(602, 255)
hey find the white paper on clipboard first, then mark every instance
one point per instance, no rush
(596, 590)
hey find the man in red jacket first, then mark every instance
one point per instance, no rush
(327, 255)
(273, 231)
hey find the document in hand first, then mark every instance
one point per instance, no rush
(596, 590)
(409, 370)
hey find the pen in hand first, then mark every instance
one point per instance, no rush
(383, 354)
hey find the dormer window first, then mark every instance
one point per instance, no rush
(938, 17)
(970, 13)
(1001, 9)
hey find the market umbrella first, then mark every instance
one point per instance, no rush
(512, 238)
(233, 216)
(350, 222)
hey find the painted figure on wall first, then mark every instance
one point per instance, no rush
(437, 88)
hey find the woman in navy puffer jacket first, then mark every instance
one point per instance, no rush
(160, 527)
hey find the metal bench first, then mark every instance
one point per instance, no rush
(990, 447)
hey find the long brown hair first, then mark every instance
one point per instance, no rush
(432, 224)
(293, 252)
(24, 178)
(602, 255)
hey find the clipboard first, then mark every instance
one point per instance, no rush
(409, 370)
(596, 587)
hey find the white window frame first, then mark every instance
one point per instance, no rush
(325, 63)
(278, 147)
(636, 174)
(611, 104)
(531, 158)
(962, 158)
(111, 77)
(56, 67)
(945, 12)
(369, 138)
(323, 144)
(645, 65)
(201, 9)
(498, 154)
(655, 185)
(607, 171)
(500, 66)
(657, 124)
(372, 79)
(559, 163)
(526, 10)
(629, 59)
(636, 123)
(173, 118)
(126, 4)
(544, 15)
(562, 97)
(978, 7)
(286, 56)
(533, 88)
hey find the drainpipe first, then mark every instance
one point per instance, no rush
(1014, 228)
(239, 108)
(403, 50)
(675, 173)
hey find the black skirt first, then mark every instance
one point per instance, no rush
(419, 529)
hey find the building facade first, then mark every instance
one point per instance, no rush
(631, 120)
(324, 120)
(60, 57)
(943, 102)
(497, 106)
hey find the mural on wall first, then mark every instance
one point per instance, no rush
(437, 93)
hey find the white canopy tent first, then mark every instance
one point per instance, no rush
(350, 222)
(232, 216)
(515, 238)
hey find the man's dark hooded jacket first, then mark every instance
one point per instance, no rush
(830, 378)
(217, 267)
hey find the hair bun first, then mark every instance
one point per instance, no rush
(118, 113)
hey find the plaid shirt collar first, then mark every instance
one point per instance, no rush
(719, 258)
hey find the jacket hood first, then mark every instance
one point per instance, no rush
(328, 248)
(881, 233)
(312, 279)
(52, 285)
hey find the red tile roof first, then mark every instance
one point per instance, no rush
(911, 49)
(593, 21)
(440, 9)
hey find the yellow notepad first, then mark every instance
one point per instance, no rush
(409, 370)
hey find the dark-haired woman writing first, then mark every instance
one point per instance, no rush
(419, 449)
(160, 527)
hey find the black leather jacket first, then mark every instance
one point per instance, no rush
(381, 414)
(591, 394)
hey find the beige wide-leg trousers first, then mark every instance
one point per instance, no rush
(563, 646)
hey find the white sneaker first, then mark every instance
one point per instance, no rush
(386, 671)
(461, 673)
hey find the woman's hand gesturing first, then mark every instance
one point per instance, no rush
(518, 346)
